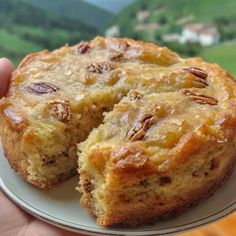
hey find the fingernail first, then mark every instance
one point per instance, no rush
(7, 63)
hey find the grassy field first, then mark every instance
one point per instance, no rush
(15, 47)
(22, 30)
(13, 42)
(167, 12)
(223, 54)
(206, 10)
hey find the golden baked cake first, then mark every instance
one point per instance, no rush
(166, 142)
(56, 98)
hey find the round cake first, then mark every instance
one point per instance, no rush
(150, 133)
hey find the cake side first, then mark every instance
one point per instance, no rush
(11, 129)
(157, 195)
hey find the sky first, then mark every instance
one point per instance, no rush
(111, 5)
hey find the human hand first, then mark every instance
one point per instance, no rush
(14, 221)
(6, 69)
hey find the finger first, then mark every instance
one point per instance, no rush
(6, 68)
(12, 219)
(37, 227)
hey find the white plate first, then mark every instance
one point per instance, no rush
(60, 206)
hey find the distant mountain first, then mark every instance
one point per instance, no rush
(113, 6)
(20, 12)
(77, 10)
(25, 28)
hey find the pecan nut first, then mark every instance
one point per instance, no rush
(200, 75)
(139, 129)
(199, 83)
(87, 186)
(164, 180)
(134, 95)
(114, 77)
(82, 48)
(40, 88)
(116, 56)
(99, 67)
(197, 72)
(152, 113)
(117, 45)
(61, 110)
(200, 98)
(88, 79)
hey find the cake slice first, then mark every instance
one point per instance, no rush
(166, 142)
(157, 154)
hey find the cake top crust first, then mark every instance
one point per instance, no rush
(173, 105)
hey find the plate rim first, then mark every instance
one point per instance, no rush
(90, 230)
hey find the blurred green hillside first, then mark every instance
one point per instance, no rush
(77, 10)
(224, 54)
(25, 28)
(165, 17)
(169, 14)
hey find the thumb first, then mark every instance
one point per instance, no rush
(6, 68)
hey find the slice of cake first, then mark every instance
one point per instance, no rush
(156, 155)
(56, 98)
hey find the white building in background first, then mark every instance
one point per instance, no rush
(203, 34)
(191, 32)
(209, 38)
(113, 31)
(168, 38)
(142, 15)
(147, 27)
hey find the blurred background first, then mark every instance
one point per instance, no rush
(204, 28)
